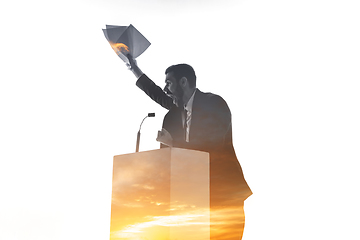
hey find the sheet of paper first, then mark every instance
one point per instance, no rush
(126, 40)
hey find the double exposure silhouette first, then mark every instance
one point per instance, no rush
(202, 121)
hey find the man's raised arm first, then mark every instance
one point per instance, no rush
(148, 86)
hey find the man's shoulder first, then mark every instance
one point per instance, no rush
(210, 97)
(211, 102)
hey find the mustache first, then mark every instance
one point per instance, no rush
(177, 93)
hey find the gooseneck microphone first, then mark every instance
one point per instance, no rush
(138, 134)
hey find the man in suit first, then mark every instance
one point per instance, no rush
(202, 121)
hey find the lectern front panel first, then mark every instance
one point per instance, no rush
(161, 195)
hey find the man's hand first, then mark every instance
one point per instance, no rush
(132, 66)
(164, 137)
(132, 62)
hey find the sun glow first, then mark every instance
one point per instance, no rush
(120, 48)
(138, 230)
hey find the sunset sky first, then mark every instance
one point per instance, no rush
(289, 71)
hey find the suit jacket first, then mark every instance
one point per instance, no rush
(211, 132)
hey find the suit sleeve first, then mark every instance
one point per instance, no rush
(154, 92)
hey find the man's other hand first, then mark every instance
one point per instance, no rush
(164, 137)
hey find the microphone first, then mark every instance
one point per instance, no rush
(138, 134)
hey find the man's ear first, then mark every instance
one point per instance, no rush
(183, 82)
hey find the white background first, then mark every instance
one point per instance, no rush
(289, 71)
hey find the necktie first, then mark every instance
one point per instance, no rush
(187, 119)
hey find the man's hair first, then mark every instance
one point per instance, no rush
(183, 70)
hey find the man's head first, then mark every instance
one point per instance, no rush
(180, 83)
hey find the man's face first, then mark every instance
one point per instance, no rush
(173, 90)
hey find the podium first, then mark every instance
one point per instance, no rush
(161, 195)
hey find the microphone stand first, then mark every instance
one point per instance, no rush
(138, 134)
